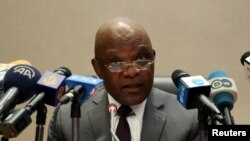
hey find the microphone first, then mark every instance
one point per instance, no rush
(112, 108)
(193, 92)
(50, 87)
(223, 93)
(63, 71)
(74, 93)
(15, 123)
(89, 83)
(22, 61)
(19, 86)
(245, 61)
(5, 67)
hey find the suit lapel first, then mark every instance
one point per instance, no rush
(154, 118)
(99, 116)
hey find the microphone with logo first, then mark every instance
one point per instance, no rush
(193, 92)
(223, 93)
(245, 61)
(49, 88)
(5, 67)
(88, 85)
(19, 86)
(52, 85)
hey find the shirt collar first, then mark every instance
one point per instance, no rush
(137, 109)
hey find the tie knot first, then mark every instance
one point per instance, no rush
(124, 110)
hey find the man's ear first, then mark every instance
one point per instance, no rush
(96, 67)
(154, 52)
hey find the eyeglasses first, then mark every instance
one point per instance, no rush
(122, 66)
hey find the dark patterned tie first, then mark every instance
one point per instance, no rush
(122, 130)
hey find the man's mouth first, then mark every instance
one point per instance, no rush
(132, 88)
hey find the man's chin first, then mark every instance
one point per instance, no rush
(133, 100)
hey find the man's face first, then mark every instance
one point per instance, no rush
(130, 86)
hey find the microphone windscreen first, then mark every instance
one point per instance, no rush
(223, 90)
(177, 75)
(218, 73)
(244, 57)
(112, 108)
(5, 67)
(23, 62)
(63, 71)
(24, 77)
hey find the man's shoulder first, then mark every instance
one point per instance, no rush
(170, 101)
(158, 93)
(99, 96)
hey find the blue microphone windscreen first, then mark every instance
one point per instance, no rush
(218, 73)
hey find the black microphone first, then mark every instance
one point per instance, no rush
(74, 93)
(87, 82)
(4, 67)
(245, 58)
(19, 86)
(223, 93)
(245, 61)
(50, 87)
(193, 92)
(63, 71)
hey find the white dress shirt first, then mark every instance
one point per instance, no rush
(134, 120)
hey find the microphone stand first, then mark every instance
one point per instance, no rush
(226, 120)
(78, 91)
(203, 114)
(75, 115)
(228, 117)
(74, 94)
(203, 124)
(37, 103)
(40, 121)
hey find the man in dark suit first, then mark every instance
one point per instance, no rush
(124, 59)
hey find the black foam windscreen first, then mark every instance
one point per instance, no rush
(24, 77)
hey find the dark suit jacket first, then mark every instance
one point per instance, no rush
(164, 120)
